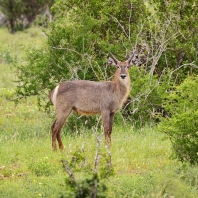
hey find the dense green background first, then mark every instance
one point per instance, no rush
(83, 33)
(162, 102)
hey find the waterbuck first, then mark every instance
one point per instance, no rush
(89, 97)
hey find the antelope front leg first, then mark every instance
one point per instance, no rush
(107, 120)
(111, 118)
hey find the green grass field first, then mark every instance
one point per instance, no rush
(29, 168)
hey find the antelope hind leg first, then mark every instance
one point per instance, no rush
(53, 136)
(57, 126)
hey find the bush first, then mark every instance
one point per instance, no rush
(21, 14)
(42, 167)
(146, 96)
(80, 38)
(182, 125)
(92, 182)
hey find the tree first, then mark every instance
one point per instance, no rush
(83, 33)
(182, 124)
(181, 52)
(79, 40)
(170, 44)
(21, 13)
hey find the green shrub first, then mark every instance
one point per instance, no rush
(147, 93)
(42, 167)
(79, 40)
(182, 125)
(6, 56)
(20, 14)
(92, 182)
(83, 33)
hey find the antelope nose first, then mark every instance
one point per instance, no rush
(123, 76)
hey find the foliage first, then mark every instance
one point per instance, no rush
(93, 182)
(182, 125)
(140, 156)
(83, 33)
(21, 13)
(42, 167)
(79, 40)
(182, 50)
(6, 57)
(89, 187)
(146, 96)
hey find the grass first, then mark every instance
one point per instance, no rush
(29, 168)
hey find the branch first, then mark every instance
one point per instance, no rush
(130, 16)
(187, 64)
(97, 157)
(109, 164)
(61, 48)
(71, 175)
(120, 25)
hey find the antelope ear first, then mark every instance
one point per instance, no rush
(112, 61)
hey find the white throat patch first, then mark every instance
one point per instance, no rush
(124, 81)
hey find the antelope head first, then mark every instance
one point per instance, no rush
(123, 67)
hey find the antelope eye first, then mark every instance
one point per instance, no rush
(118, 67)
